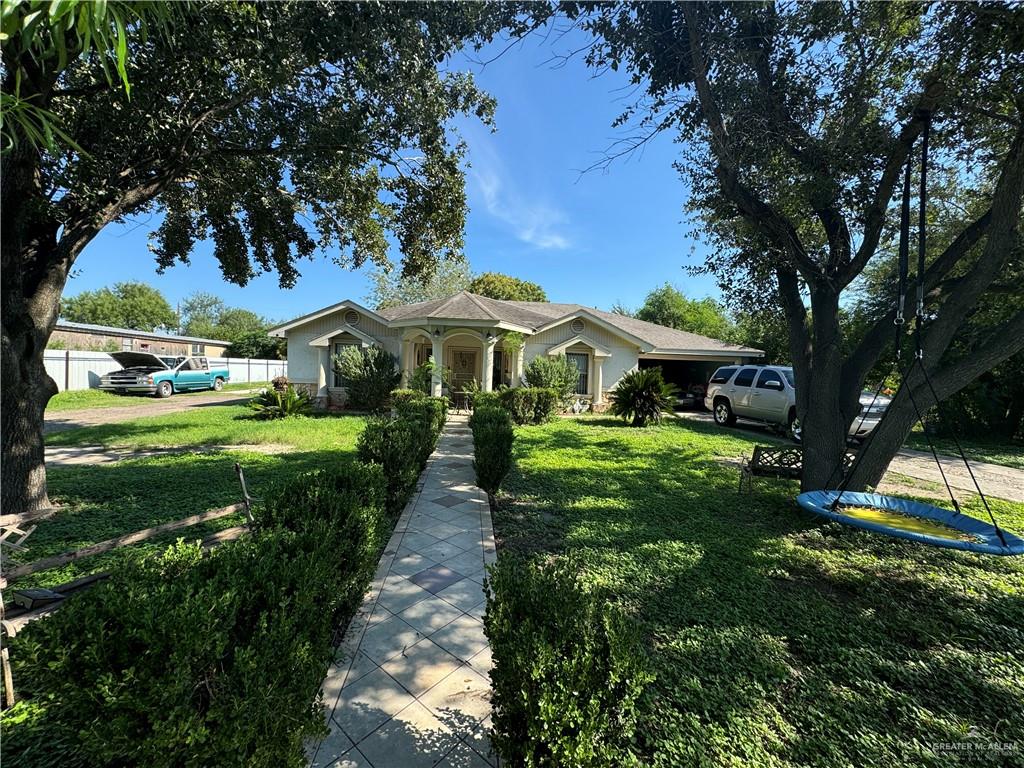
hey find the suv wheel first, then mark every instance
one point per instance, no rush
(724, 417)
(218, 384)
(164, 389)
(794, 429)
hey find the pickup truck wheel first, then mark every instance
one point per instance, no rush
(724, 417)
(218, 384)
(164, 389)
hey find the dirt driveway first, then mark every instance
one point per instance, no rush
(137, 407)
(995, 479)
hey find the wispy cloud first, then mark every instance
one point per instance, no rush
(536, 223)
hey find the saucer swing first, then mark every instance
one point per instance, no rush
(891, 515)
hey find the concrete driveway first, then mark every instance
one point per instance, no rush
(994, 479)
(137, 407)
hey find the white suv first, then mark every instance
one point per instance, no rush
(766, 393)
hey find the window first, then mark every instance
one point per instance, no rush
(745, 377)
(582, 363)
(769, 375)
(198, 349)
(722, 375)
(788, 373)
(126, 345)
(339, 380)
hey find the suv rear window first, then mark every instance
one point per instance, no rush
(722, 375)
(745, 377)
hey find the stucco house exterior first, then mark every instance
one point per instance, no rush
(465, 333)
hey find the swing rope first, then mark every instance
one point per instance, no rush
(899, 322)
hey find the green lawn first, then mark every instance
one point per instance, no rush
(1004, 452)
(78, 399)
(777, 639)
(107, 500)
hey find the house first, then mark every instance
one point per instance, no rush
(104, 338)
(465, 332)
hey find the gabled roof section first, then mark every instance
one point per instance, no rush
(366, 339)
(599, 350)
(279, 330)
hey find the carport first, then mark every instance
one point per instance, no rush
(689, 373)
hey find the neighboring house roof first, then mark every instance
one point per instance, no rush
(532, 316)
(67, 325)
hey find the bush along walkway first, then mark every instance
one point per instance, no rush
(411, 687)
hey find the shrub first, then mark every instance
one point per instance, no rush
(401, 396)
(204, 659)
(492, 446)
(520, 402)
(486, 399)
(642, 395)
(396, 446)
(566, 681)
(530, 405)
(273, 404)
(369, 375)
(557, 372)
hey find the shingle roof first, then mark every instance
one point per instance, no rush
(537, 314)
(67, 325)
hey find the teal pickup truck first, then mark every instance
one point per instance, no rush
(161, 375)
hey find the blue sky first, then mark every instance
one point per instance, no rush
(595, 238)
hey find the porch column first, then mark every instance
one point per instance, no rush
(322, 370)
(406, 364)
(488, 372)
(598, 380)
(437, 350)
(517, 368)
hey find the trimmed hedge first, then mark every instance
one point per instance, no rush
(570, 670)
(204, 659)
(530, 405)
(194, 658)
(492, 446)
(487, 399)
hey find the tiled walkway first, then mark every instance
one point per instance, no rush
(410, 687)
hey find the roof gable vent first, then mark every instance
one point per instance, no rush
(577, 325)
(352, 318)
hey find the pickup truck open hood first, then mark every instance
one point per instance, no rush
(138, 360)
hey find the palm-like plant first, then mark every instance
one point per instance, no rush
(642, 395)
(274, 404)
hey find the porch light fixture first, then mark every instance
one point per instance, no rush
(490, 336)
(437, 333)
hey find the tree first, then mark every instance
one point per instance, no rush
(235, 322)
(257, 344)
(495, 285)
(763, 329)
(391, 288)
(669, 307)
(276, 130)
(799, 121)
(125, 305)
(199, 314)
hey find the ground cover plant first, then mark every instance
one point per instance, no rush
(776, 638)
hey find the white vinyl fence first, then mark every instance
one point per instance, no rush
(75, 369)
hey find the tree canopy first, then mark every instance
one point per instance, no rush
(391, 288)
(668, 306)
(498, 286)
(132, 305)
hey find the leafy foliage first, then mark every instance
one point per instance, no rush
(776, 640)
(553, 371)
(570, 679)
(668, 306)
(492, 446)
(369, 375)
(495, 285)
(126, 305)
(217, 658)
(530, 405)
(275, 404)
(642, 395)
(258, 345)
(391, 288)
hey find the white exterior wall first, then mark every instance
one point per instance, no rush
(79, 369)
(303, 360)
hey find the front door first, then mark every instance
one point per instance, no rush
(463, 368)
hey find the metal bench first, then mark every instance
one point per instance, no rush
(778, 462)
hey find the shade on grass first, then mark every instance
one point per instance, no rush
(777, 639)
(103, 501)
